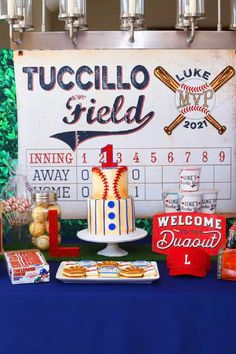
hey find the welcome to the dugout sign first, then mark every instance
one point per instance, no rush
(195, 230)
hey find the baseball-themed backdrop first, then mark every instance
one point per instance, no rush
(160, 109)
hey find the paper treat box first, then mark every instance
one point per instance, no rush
(27, 266)
(226, 267)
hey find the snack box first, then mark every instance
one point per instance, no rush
(27, 266)
(107, 272)
(226, 265)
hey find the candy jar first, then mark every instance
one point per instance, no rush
(39, 227)
(231, 241)
(16, 199)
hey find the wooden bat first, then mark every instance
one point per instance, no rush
(166, 78)
(170, 82)
(223, 77)
(221, 128)
(169, 129)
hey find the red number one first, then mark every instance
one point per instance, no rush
(108, 150)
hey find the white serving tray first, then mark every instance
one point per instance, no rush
(92, 280)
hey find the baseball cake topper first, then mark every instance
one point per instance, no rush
(195, 98)
(109, 180)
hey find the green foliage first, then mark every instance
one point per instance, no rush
(145, 224)
(8, 116)
(71, 227)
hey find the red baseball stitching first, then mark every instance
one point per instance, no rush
(195, 108)
(104, 181)
(119, 172)
(196, 89)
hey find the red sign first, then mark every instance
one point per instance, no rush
(54, 249)
(196, 230)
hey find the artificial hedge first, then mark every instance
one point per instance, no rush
(8, 116)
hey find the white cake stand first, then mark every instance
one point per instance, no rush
(112, 249)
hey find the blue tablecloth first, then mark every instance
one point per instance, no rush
(174, 315)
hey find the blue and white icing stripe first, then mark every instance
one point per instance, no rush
(113, 217)
(104, 219)
(95, 216)
(127, 216)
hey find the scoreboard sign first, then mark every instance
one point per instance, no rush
(160, 109)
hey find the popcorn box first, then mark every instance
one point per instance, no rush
(189, 179)
(209, 201)
(27, 266)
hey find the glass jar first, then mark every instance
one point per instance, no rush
(16, 200)
(231, 241)
(39, 227)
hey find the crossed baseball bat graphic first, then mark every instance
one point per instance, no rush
(216, 84)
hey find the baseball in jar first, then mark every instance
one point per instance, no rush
(39, 227)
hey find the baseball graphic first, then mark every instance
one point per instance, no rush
(110, 183)
(195, 98)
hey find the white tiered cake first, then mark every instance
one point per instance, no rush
(110, 209)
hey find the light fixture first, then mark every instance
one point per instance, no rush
(219, 25)
(233, 15)
(182, 23)
(80, 24)
(26, 24)
(73, 12)
(52, 5)
(12, 11)
(43, 23)
(190, 11)
(132, 16)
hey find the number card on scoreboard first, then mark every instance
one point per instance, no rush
(160, 109)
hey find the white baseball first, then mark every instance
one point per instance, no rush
(195, 98)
